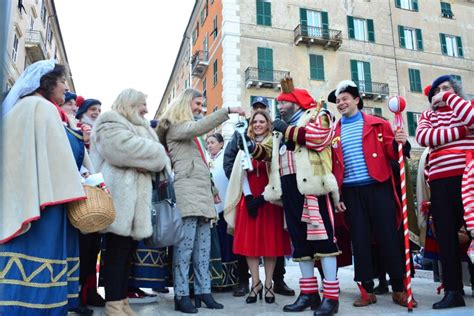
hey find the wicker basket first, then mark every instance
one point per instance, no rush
(94, 213)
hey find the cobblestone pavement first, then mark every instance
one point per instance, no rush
(424, 292)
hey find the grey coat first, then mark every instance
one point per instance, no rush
(192, 176)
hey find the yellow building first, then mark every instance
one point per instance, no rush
(239, 49)
(33, 34)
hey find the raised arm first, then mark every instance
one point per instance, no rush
(192, 129)
(428, 136)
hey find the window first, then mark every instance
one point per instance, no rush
(212, 1)
(186, 84)
(203, 15)
(457, 78)
(214, 73)
(215, 27)
(415, 81)
(410, 38)
(412, 119)
(451, 45)
(360, 73)
(361, 29)
(15, 46)
(265, 63)
(204, 88)
(43, 12)
(411, 5)
(49, 34)
(446, 10)
(314, 23)
(372, 111)
(264, 12)
(316, 67)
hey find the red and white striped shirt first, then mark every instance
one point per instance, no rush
(445, 132)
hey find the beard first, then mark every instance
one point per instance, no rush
(136, 119)
(88, 120)
(288, 114)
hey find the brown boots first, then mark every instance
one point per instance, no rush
(119, 308)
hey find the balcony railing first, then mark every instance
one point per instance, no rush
(370, 89)
(264, 78)
(199, 63)
(318, 36)
(35, 45)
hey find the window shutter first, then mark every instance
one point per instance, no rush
(419, 39)
(401, 35)
(367, 77)
(325, 24)
(415, 5)
(316, 64)
(304, 22)
(397, 3)
(350, 26)
(378, 111)
(265, 63)
(354, 72)
(267, 13)
(460, 50)
(444, 48)
(415, 80)
(260, 17)
(411, 124)
(215, 27)
(370, 30)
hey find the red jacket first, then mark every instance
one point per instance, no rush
(377, 145)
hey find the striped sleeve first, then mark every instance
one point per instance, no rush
(296, 134)
(468, 195)
(463, 109)
(428, 136)
(318, 133)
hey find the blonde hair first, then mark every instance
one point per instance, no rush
(127, 101)
(265, 114)
(180, 109)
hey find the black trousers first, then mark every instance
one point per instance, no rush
(371, 211)
(304, 249)
(447, 210)
(243, 269)
(117, 256)
(89, 248)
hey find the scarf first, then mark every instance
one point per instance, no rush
(296, 117)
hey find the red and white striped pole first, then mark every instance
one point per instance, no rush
(397, 105)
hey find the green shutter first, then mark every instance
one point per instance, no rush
(214, 78)
(457, 78)
(268, 13)
(401, 35)
(446, 10)
(378, 111)
(444, 48)
(325, 24)
(415, 5)
(370, 30)
(397, 3)
(316, 67)
(419, 39)
(259, 12)
(367, 77)
(411, 124)
(264, 16)
(415, 80)
(350, 26)
(354, 72)
(460, 50)
(304, 22)
(265, 63)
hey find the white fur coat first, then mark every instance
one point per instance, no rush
(118, 148)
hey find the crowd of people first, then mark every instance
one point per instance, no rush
(322, 191)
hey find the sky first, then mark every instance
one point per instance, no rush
(113, 45)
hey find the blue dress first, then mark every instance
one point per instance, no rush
(39, 270)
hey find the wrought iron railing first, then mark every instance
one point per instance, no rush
(267, 75)
(200, 56)
(317, 32)
(372, 87)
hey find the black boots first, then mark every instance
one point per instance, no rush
(184, 305)
(280, 287)
(208, 300)
(303, 302)
(450, 299)
(328, 308)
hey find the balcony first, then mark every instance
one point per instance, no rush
(35, 45)
(264, 78)
(313, 35)
(372, 90)
(199, 63)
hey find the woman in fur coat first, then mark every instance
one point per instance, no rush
(128, 153)
(180, 128)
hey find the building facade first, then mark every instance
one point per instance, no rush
(33, 34)
(241, 49)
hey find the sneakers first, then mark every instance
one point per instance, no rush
(140, 297)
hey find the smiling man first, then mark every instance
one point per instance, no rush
(89, 111)
(363, 146)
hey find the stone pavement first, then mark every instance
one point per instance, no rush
(423, 285)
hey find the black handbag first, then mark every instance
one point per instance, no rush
(166, 218)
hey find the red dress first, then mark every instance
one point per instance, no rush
(263, 235)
